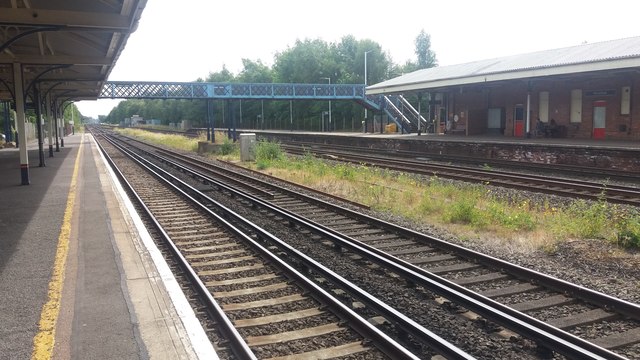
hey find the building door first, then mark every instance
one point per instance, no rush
(518, 121)
(599, 119)
(494, 121)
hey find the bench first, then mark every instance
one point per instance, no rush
(459, 129)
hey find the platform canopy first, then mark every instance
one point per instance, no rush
(67, 47)
(614, 55)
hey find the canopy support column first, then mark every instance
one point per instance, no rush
(50, 119)
(20, 119)
(37, 102)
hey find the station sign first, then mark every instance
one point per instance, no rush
(600, 93)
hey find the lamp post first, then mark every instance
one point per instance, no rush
(365, 78)
(329, 79)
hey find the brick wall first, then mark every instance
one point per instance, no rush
(583, 155)
(608, 87)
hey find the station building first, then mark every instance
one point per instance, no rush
(589, 91)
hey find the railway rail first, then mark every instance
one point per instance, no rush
(401, 155)
(260, 307)
(590, 190)
(421, 261)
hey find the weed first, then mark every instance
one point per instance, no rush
(268, 151)
(227, 147)
(627, 230)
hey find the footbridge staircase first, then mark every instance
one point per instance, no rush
(400, 111)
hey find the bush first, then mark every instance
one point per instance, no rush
(592, 218)
(268, 151)
(513, 219)
(463, 211)
(628, 233)
(227, 147)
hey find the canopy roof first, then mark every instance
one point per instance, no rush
(607, 55)
(68, 46)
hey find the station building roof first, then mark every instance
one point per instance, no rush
(68, 46)
(606, 55)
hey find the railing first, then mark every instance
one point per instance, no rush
(416, 116)
(163, 90)
(396, 115)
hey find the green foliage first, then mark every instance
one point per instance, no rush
(511, 217)
(267, 152)
(227, 147)
(223, 75)
(473, 207)
(169, 140)
(308, 61)
(627, 228)
(426, 56)
(591, 217)
(464, 211)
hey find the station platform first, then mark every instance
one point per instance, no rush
(620, 155)
(79, 276)
(633, 145)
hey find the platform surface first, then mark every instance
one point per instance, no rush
(557, 142)
(115, 301)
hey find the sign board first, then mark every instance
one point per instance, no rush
(600, 93)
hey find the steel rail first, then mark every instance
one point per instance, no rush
(237, 344)
(553, 338)
(403, 154)
(564, 187)
(389, 346)
(621, 306)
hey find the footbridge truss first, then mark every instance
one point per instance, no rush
(237, 91)
(396, 107)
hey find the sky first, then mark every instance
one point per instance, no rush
(187, 39)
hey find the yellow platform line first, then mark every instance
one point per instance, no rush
(44, 340)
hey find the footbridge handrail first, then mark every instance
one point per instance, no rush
(413, 110)
(258, 91)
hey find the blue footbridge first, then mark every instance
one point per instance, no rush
(396, 107)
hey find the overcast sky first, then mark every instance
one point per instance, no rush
(184, 40)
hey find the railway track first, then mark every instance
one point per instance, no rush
(575, 171)
(532, 298)
(540, 183)
(265, 307)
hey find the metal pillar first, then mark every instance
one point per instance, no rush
(20, 118)
(50, 118)
(208, 103)
(7, 121)
(36, 100)
(291, 114)
(262, 114)
(56, 110)
(233, 121)
(227, 119)
(527, 130)
(419, 118)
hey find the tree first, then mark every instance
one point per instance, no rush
(426, 56)
(308, 61)
(255, 72)
(223, 75)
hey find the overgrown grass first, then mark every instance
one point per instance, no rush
(466, 209)
(170, 140)
(267, 153)
(228, 147)
(472, 209)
